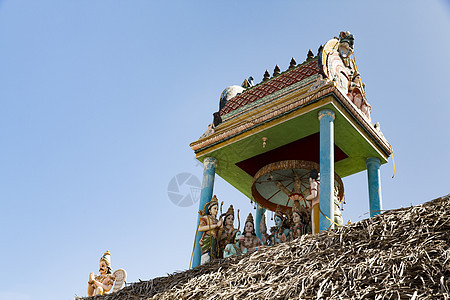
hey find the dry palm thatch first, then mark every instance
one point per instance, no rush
(401, 254)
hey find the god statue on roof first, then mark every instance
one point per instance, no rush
(211, 231)
(300, 221)
(249, 240)
(101, 284)
(280, 233)
(228, 232)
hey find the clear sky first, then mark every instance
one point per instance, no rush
(100, 100)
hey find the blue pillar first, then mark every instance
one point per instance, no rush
(260, 213)
(374, 179)
(206, 194)
(326, 118)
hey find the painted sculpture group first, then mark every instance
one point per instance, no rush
(220, 239)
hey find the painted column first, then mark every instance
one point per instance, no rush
(260, 213)
(206, 194)
(326, 118)
(374, 180)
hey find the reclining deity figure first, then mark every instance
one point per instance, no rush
(211, 230)
(228, 231)
(101, 284)
(249, 240)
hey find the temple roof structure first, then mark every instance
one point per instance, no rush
(277, 120)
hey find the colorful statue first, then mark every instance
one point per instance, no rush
(228, 231)
(280, 233)
(211, 228)
(301, 221)
(249, 240)
(235, 248)
(101, 284)
(314, 197)
(265, 237)
(338, 220)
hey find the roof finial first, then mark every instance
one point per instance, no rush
(310, 55)
(276, 71)
(292, 64)
(266, 76)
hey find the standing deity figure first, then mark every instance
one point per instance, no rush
(301, 221)
(280, 233)
(101, 284)
(314, 197)
(265, 237)
(211, 229)
(249, 240)
(228, 232)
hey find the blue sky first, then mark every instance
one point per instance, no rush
(100, 100)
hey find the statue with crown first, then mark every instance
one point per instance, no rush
(210, 228)
(103, 283)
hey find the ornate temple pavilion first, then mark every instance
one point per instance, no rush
(314, 115)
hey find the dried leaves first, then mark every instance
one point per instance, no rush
(401, 254)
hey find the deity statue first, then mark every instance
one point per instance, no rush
(211, 230)
(249, 240)
(301, 221)
(280, 233)
(314, 197)
(228, 232)
(234, 248)
(101, 284)
(338, 220)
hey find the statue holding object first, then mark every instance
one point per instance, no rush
(101, 284)
(314, 197)
(211, 230)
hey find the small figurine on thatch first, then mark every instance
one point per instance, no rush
(101, 284)
(211, 228)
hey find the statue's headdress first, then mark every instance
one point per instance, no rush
(230, 211)
(314, 174)
(208, 205)
(106, 258)
(249, 219)
(279, 213)
(347, 37)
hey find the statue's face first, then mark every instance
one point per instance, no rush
(213, 210)
(278, 221)
(229, 220)
(103, 267)
(249, 227)
(296, 218)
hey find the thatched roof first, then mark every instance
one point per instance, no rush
(403, 253)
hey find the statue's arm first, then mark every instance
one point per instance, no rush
(204, 226)
(313, 192)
